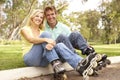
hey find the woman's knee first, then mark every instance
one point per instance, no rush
(30, 61)
(26, 61)
(46, 35)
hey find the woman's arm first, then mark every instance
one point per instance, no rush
(35, 40)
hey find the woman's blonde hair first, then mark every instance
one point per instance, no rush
(32, 15)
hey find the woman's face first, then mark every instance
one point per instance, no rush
(37, 18)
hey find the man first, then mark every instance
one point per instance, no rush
(61, 33)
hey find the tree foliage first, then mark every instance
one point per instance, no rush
(2, 1)
(18, 11)
(88, 22)
(111, 21)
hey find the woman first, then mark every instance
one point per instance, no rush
(40, 50)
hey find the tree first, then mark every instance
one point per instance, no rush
(92, 21)
(87, 23)
(111, 21)
(60, 6)
(18, 11)
(2, 15)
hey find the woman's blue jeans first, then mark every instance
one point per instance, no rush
(39, 56)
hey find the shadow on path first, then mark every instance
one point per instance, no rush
(111, 72)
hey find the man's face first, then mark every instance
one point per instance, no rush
(50, 16)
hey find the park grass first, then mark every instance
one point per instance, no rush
(11, 54)
(110, 50)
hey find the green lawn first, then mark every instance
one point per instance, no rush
(11, 54)
(110, 50)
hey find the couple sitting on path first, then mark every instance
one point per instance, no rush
(54, 43)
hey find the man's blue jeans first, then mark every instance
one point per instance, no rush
(74, 41)
(69, 56)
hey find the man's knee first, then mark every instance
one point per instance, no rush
(62, 36)
(75, 33)
(60, 46)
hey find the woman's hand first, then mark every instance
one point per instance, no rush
(50, 41)
(49, 46)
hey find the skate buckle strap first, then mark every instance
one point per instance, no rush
(94, 53)
(56, 64)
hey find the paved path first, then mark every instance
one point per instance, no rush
(14, 74)
(112, 72)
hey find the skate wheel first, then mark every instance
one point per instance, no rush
(24, 78)
(100, 65)
(104, 65)
(86, 78)
(100, 68)
(94, 64)
(90, 72)
(60, 77)
(99, 57)
(64, 77)
(108, 61)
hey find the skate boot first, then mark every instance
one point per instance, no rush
(86, 66)
(88, 50)
(59, 71)
(102, 61)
